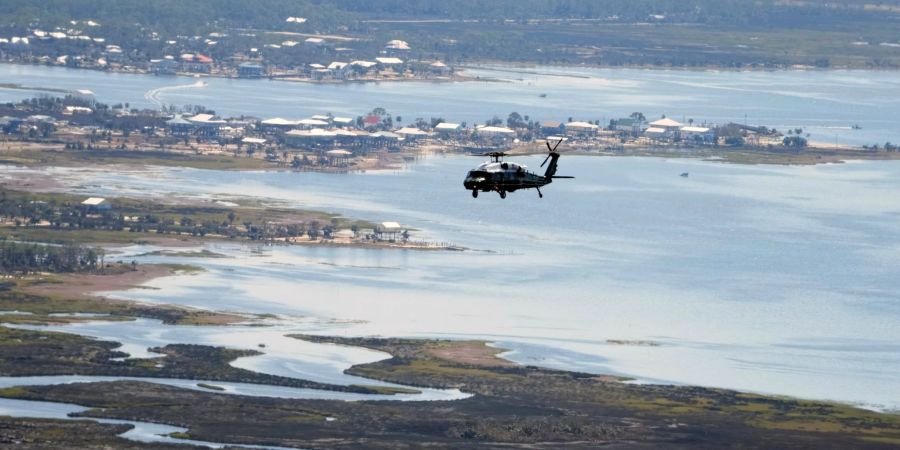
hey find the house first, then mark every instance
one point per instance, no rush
(581, 129)
(309, 138)
(196, 63)
(85, 95)
(410, 133)
(371, 121)
(312, 123)
(389, 231)
(495, 135)
(448, 129)
(114, 54)
(207, 125)
(698, 135)
(338, 157)
(550, 127)
(630, 125)
(10, 124)
(389, 62)
(179, 126)
(165, 66)
(671, 129)
(338, 69)
(396, 47)
(438, 68)
(96, 204)
(362, 67)
(342, 121)
(251, 70)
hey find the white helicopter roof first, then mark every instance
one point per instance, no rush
(492, 166)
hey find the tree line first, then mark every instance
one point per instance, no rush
(16, 257)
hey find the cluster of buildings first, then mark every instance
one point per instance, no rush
(323, 59)
(328, 132)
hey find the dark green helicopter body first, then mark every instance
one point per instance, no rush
(502, 177)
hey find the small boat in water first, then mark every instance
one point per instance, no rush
(856, 126)
(685, 174)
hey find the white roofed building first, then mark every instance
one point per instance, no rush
(447, 128)
(581, 129)
(698, 134)
(96, 204)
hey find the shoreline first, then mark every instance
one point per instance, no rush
(526, 68)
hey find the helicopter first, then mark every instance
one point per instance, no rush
(503, 177)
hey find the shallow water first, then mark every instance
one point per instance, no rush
(142, 431)
(825, 104)
(762, 278)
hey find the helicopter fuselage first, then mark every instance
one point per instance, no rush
(503, 177)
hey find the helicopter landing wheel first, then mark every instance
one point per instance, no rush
(502, 194)
(540, 194)
(474, 193)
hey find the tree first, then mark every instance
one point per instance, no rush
(515, 120)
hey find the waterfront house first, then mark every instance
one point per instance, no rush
(312, 123)
(549, 127)
(447, 129)
(630, 125)
(671, 129)
(343, 121)
(582, 129)
(179, 126)
(251, 70)
(700, 135)
(411, 134)
(196, 63)
(389, 62)
(206, 125)
(312, 138)
(389, 231)
(438, 68)
(165, 66)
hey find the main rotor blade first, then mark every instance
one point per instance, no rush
(555, 146)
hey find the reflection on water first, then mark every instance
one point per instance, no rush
(747, 276)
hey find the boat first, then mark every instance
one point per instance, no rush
(856, 126)
(543, 95)
(685, 174)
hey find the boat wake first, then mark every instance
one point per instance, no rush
(153, 95)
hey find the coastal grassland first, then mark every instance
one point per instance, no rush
(48, 297)
(30, 353)
(44, 157)
(47, 434)
(518, 406)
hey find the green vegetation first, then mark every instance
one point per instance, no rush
(61, 158)
(60, 218)
(204, 253)
(513, 406)
(693, 33)
(27, 258)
